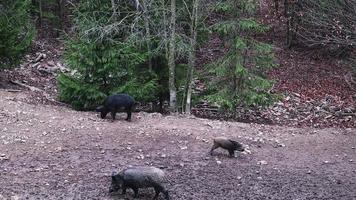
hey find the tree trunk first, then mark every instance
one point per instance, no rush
(60, 16)
(171, 60)
(113, 7)
(165, 32)
(40, 12)
(148, 34)
(191, 64)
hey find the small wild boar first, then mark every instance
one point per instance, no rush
(227, 144)
(139, 177)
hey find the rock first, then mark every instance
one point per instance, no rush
(296, 94)
(262, 162)
(140, 157)
(218, 162)
(36, 65)
(309, 172)
(247, 151)
(281, 145)
(15, 197)
(39, 57)
(259, 178)
(51, 63)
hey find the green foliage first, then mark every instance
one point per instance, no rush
(45, 9)
(251, 25)
(16, 31)
(80, 95)
(142, 91)
(103, 60)
(225, 27)
(238, 78)
(224, 7)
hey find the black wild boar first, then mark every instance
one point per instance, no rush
(227, 144)
(116, 103)
(139, 177)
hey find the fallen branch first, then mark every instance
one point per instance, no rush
(35, 89)
(11, 90)
(32, 88)
(348, 114)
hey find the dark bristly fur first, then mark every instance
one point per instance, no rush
(115, 103)
(227, 144)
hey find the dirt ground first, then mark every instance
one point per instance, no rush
(53, 152)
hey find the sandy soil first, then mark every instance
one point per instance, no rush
(51, 152)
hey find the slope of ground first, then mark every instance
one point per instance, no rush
(316, 87)
(51, 152)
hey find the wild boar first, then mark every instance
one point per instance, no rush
(139, 177)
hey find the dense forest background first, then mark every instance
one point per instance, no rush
(226, 59)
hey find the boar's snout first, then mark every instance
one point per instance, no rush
(99, 108)
(240, 148)
(113, 188)
(115, 183)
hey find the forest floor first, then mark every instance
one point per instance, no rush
(53, 152)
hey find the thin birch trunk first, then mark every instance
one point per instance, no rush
(171, 60)
(192, 56)
(148, 34)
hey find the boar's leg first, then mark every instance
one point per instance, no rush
(215, 146)
(159, 188)
(113, 114)
(103, 114)
(165, 192)
(128, 111)
(135, 189)
(123, 189)
(231, 153)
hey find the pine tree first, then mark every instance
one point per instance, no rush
(238, 79)
(16, 31)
